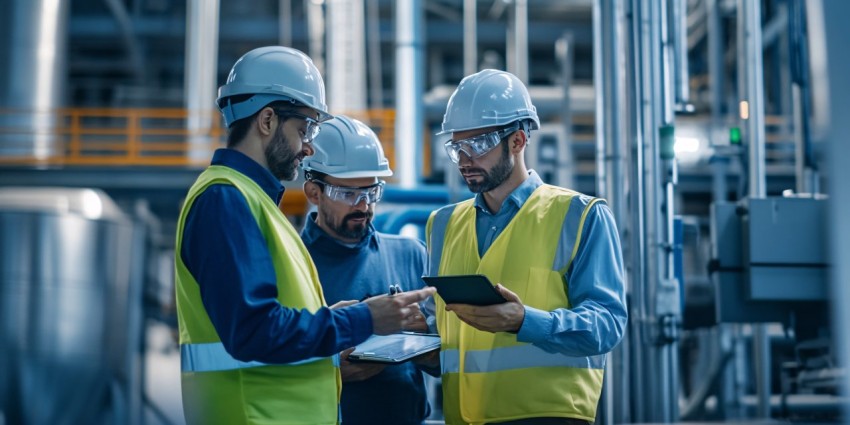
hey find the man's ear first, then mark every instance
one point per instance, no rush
(312, 191)
(265, 120)
(518, 141)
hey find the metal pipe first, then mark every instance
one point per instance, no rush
(751, 76)
(34, 55)
(346, 51)
(611, 175)
(201, 74)
(565, 57)
(408, 88)
(316, 33)
(470, 37)
(609, 78)
(835, 32)
(751, 83)
(517, 40)
(678, 21)
(638, 308)
(284, 19)
(376, 80)
(716, 72)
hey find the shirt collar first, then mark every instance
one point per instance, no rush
(315, 235)
(240, 162)
(517, 197)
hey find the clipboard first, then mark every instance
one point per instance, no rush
(474, 289)
(394, 348)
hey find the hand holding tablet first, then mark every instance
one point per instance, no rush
(473, 289)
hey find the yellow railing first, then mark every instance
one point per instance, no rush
(132, 137)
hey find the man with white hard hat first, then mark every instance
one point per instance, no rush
(555, 255)
(258, 343)
(343, 180)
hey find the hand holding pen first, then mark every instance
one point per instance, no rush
(398, 311)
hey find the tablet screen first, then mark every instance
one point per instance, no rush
(474, 289)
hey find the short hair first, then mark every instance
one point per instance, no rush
(239, 128)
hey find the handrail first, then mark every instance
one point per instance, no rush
(131, 136)
(159, 137)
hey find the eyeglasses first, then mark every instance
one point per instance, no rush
(310, 131)
(353, 195)
(479, 145)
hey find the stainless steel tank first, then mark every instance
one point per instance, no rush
(65, 276)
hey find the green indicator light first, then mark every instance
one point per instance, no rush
(735, 136)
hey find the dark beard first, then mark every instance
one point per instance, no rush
(495, 177)
(343, 229)
(281, 158)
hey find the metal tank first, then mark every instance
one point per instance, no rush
(67, 278)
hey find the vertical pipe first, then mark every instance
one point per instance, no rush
(751, 70)
(316, 33)
(679, 27)
(346, 51)
(835, 32)
(470, 37)
(716, 68)
(565, 57)
(751, 86)
(517, 51)
(376, 80)
(638, 311)
(609, 76)
(201, 75)
(284, 20)
(34, 67)
(716, 83)
(408, 88)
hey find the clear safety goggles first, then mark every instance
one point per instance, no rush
(479, 145)
(310, 131)
(353, 195)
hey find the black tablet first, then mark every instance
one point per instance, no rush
(473, 289)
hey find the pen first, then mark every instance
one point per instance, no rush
(394, 289)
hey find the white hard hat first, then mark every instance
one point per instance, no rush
(346, 148)
(488, 98)
(270, 74)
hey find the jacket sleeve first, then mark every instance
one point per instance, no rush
(225, 251)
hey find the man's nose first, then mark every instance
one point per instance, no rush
(307, 149)
(361, 204)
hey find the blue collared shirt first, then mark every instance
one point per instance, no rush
(227, 254)
(596, 320)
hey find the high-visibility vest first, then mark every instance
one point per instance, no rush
(491, 377)
(218, 389)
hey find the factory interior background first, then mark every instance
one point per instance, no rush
(717, 130)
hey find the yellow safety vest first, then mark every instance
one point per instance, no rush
(491, 377)
(218, 389)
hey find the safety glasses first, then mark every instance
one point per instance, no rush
(353, 195)
(477, 146)
(310, 131)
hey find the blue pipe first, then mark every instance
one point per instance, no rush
(393, 221)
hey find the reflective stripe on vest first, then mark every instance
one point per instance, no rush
(212, 357)
(540, 242)
(520, 357)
